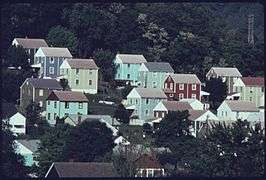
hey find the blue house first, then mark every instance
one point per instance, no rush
(49, 59)
(127, 67)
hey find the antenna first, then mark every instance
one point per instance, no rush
(251, 29)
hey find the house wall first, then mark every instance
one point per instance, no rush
(152, 79)
(26, 96)
(123, 70)
(17, 124)
(154, 172)
(159, 114)
(26, 153)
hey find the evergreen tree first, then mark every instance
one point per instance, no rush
(122, 114)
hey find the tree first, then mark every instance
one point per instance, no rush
(218, 91)
(122, 114)
(17, 57)
(64, 83)
(60, 36)
(33, 119)
(126, 91)
(51, 147)
(89, 142)
(147, 128)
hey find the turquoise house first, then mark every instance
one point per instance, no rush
(154, 74)
(142, 101)
(63, 103)
(27, 149)
(127, 66)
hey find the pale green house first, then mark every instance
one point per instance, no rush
(63, 103)
(82, 75)
(251, 89)
(127, 66)
(153, 74)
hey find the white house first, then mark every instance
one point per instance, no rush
(233, 110)
(194, 103)
(17, 124)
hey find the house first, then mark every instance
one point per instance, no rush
(257, 118)
(153, 74)
(199, 118)
(127, 66)
(81, 170)
(82, 75)
(37, 90)
(62, 103)
(49, 60)
(179, 86)
(17, 124)
(194, 103)
(233, 110)
(30, 45)
(27, 149)
(110, 122)
(250, 89)
(143, 101)
(228, 75)
(163, 107)
(148, 166)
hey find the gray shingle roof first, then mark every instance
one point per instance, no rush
(32, 144)
(56, 52)
(151, 93)
(85, 169)
(195, 114)
(241, 106)
(82, 64)
(226, 71)
(159, 67)
(185, 78)
(31, 43)
(70, 96)
(132, 58)
(176, 105)
(44, 83)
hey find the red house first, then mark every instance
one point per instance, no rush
(179, 86)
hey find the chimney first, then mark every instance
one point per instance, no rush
(26, 37)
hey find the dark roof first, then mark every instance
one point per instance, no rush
(7, 109)
(158, 67)
(253, 81)
(195, 114)
(55, 52)
(45, 83)
(67, 96)
(85, 169)
(31, 43)
(147, 161)
(176, 105)
(32, 144)
(82, 64)
(245, 106)
(132, 58)
(185, 78)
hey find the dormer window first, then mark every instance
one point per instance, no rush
(51, 60)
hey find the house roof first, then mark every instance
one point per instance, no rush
(67, 96)
(195, 114)
(31, 43)
(176, 105)
(185, 78)
(147, 161)
(106, 118)
(82, 64)
(32, 144)
(56, 52)
(226, 71)
(150, 93)
(7, 109)
(132, 58)
(241, 105)
(44, 83)
(85, 169)
(159, 67)
(253, 81)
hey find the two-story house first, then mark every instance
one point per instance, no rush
(30, 45)
(82, 74)
(143, 101)
(228, 75)
(232, 110)
(127, 66)
(180, 86)
(63, 103)
(153, 74)
(251, 89)
(37, 90)
(49, 60)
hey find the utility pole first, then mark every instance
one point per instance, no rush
(251, 29)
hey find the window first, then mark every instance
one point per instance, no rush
(19, 126)
(222, 113)
(66, 114)
(165, 85)
(147, 111)
(162, 114)
(40, 104)
(51, 70)
(55, 115)
(181, 96)
(156, 114)
(51, 60)
(154, 84)
(262, 89)
(147, 101)
(77, 71)
(136, 101)
(154, 74)
(241, 89)
(149, 173)
(40, 92)
(48, 102)
(54, 104)
(66, 105)
(77, 81)
(90, 82)
(49, 116)
(128, 65)
(194, 87)
(171, 86)
(225, 113)
(128, 76)
(193, 96)
(90, 72)
(131, 101)
(66, 71)
(181, 86)
(250, 89)
(80, 105)
(118, 75)
(250, 98)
